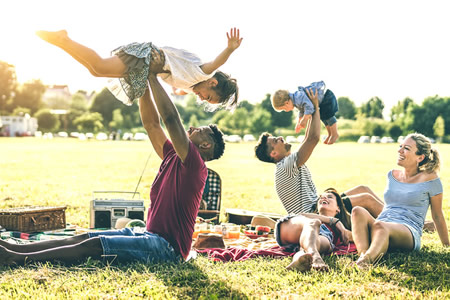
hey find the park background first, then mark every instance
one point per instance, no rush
(386, 61)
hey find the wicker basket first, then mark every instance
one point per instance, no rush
(33, 218)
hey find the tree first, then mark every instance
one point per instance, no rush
(422, 118)
(236, 123)
(117, 120)
(260, 121)
(394, 131)
(247, 105)
(399, 110)
(193, 121)
(8, 84)
(278, 119)
(78, 107)
(219, 116)
(192, 108)
(439, 128)
(347, 108)
(30, 95)
(21, 111)
(105, 103)
(46, 120)
(89, 122)
(373, 108)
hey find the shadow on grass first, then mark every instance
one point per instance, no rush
(182, 281)
(187, 280)
(424, 271)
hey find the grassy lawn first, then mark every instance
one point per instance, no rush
(66, 172)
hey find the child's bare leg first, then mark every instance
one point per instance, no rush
(329, 135)
(97, 66)
(332, 134)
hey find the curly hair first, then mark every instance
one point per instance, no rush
(261, 151)
(219, 144)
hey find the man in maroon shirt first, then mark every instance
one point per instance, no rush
(175, 197)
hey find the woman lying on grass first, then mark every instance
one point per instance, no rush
(315, 233)
(407, 196)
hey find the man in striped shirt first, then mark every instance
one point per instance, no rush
(293, 181)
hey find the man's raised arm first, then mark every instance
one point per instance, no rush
(313, 132)
(150, 121)
(170, 117)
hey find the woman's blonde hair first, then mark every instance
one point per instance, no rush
(431, 161)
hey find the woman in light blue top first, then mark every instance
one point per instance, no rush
(408, 194)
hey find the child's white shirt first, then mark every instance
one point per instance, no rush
(184, 68)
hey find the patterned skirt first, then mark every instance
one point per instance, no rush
(137, 58)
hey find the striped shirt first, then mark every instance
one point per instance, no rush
(294, 185)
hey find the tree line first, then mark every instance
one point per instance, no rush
(104, 113)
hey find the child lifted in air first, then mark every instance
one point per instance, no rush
(183, 70)
(282, 100)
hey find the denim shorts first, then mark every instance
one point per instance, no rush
(326, 232)
(127, 245)
(323, 230)
(386, 217)
(328, 108)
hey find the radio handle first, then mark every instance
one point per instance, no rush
(115, 192)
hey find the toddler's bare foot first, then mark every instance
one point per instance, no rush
(318, 264)
(331, 139)
(53, 37)
(301, 262)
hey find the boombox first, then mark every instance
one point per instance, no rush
(106, 210)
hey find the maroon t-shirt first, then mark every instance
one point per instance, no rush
(175, 197)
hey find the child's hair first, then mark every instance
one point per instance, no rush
(431, 161)
(279, 99)
(227, 90)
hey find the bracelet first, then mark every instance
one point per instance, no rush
(334, 223)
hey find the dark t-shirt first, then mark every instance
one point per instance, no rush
(175, 197)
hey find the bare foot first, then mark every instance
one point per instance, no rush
(363, 262)
(53, 37)
(6, 257)
(331, 139)
(301, 262)
(318, 264)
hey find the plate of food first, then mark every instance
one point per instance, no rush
(260, 231)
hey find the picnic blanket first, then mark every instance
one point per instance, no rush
(17, 237)
(245, 248)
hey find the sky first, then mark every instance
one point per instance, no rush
(361, 49)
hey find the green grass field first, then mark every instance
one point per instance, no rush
(66, 172)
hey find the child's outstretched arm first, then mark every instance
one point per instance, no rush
(234, 41)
